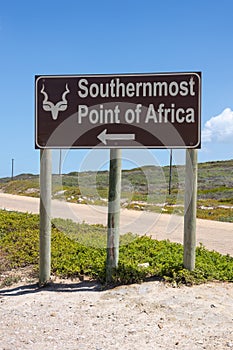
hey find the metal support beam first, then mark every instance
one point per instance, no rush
(113, 212)
(45, 216)
(190, 207)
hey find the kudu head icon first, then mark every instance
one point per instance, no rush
(49, 106)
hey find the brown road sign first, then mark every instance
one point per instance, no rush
(118, 111)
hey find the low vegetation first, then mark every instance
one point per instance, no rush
(80, 249)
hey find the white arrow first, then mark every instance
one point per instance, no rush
(103, 137)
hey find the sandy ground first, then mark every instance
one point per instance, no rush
(213, 235)
(150, 316)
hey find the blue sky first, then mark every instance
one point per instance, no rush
(130, 36)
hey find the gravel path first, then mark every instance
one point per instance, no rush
(150, 316)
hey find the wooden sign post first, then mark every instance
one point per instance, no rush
(190, 208)
(45, 215)
(113, 212)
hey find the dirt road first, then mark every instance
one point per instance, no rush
(213, 235)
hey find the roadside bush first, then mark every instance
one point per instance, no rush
(72, 253)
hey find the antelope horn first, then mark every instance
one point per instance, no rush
(45, 94)
(65, 93)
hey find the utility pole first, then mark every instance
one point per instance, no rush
(170, 173)
(45, 215)
(113, 212)
(60, 161)
(190, 207)
(12, 169)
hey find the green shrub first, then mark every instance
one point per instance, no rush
(80, 249)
